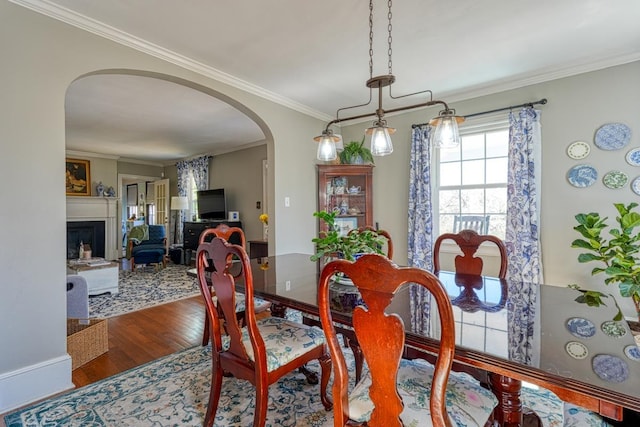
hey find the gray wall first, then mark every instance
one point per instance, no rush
(240, 174)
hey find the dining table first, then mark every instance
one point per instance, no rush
(507, 332)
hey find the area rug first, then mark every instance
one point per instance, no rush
(143, 288)
(174, 391)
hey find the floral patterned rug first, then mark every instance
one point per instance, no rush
(143, 288)
(174, 391)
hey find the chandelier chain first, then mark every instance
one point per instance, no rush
(370, 38)
(389, 39)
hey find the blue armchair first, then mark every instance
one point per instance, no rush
(149, 250)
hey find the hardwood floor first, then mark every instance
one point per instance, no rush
(145, 335)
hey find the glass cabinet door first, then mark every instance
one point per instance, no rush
(346, 190)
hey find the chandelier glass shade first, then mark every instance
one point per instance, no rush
(327, 146)
(381, 144)
(446, 134)
(446, 124)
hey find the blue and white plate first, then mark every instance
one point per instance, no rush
(610, 368)
(612, 136)
(581, 327)
(633, 157)
(582, 176)
(635, 185)
(632, 352)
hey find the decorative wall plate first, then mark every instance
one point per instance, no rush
(613, 329)
(632, 352)
(612, 136)
(615, 179)
(635, 185)
(581, 327)
(578, 150)
(582, 176)
(577, 350)
(633, 157)
(610, 368)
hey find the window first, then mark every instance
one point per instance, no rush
(471, 179)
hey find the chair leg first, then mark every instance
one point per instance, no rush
(262, 399)
(214, 395)
(133, 264)
(325, 365)
(205, 335)
(358, 358)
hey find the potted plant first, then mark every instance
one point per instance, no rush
(331, 244)
(355, 153)
(618, 255)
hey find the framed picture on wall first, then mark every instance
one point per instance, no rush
(78, 180)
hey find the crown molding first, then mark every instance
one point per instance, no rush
(74, 153)
(96, 27)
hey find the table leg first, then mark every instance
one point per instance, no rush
(510, 411)
(278, 310)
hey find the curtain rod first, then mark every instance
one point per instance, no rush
(511, 107)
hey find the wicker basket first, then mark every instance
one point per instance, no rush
(86, 342)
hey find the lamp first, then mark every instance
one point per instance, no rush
(178, 203)
(446, 133)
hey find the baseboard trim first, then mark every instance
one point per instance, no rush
(32, 383)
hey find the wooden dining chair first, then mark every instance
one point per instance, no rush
(263, 350)
(469, 241)
(394, 391)
(228, 233)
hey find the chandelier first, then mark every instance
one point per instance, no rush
(446, 123)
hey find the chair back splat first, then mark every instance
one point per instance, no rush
(381, 338)
(263, 350)
(225, 232)
(469, 241)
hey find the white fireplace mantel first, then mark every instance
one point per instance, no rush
(97, 209)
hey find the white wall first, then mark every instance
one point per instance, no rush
(577, 106)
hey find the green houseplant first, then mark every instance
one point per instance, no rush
(355, 153)
(331, 244)
(619, 255)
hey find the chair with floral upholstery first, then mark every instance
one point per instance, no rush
(263, 350)
(395, 391)
(228, 233)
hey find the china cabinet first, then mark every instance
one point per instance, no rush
(346, 190)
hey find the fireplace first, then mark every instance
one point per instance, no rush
(89, 210)
(87, 232)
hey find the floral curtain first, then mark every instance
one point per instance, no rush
(523, 233)
(199, 169)
(420, 244)
(523, 182)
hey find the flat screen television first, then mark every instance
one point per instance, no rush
(212, 204)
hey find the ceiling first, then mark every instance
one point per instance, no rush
(313, 56)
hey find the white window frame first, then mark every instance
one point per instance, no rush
(475, 125)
